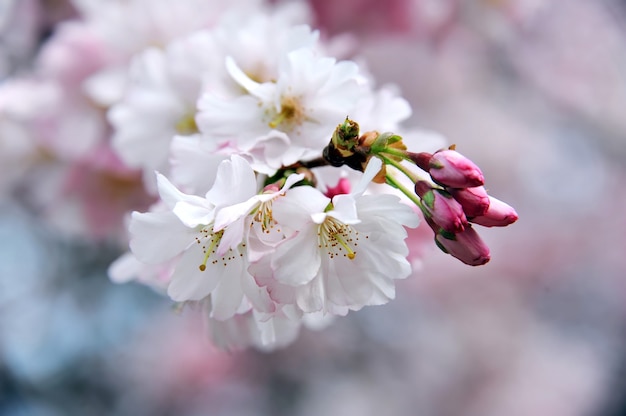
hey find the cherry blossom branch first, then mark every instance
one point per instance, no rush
(454, 199)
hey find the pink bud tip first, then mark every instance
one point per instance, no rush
(450, 168)
(422, 160)
(475, 201)
(342, 187)
(441, 208)
(499, 214)
(466, 246)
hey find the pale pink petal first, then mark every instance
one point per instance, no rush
(158, 236)
(296, 207)
(188, 281)
(195, 213)
(227, 296)
(170, 195)
(235, 182)
(297, 260)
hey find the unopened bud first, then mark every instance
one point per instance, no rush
(342, 187)
(466, 246)
(442, 209)
(422, 159)
(345, 137)
(499, 214)
(475, 201)
(450, 168)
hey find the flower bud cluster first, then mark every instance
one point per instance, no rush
(455, 201)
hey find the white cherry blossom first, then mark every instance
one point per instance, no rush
(210, 235)
(311, 95)
(160, 101)
(345, 253)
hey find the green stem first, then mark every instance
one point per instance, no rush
(396, 152)
(411, 195)
(400, 167)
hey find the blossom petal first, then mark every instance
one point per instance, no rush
(227, 296)
(297, 206)
(188, 281)
(371, 170)
(344, 209)
(158, 236)
(170, 195)
(297, 260)
(193, 214)
(239, 76)
(235, 182)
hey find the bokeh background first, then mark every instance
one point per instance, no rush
(534, 91)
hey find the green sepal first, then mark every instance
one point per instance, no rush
(429, 199)
(447, 235)
(283, 174)
(383, 141)
(441, 247)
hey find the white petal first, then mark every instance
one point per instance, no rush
(257, 295)
(235, 182)
(158, 236)
(124, 269)
(297, 260)
(346, 285)
(227, 296)
(229, 214)
(232, 237)
(371, 170)
(240, 118)
(344, 209)
(297, 206)
(194, 214)
(239, 76)
(291, 180)
(188, 281)
(194, 162)
(311, 297)
(170, 195)
(386, 208)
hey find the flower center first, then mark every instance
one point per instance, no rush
(337, 238)
(291, 114)
(187, 125)
(210, 242)
(264, 216)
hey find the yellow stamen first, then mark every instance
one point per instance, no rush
(214, 240)
(340, 240)
(187, 125)
(276, 121)
(332, 233)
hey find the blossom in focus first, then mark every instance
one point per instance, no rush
(345, 254)
(212, 261)
(310, 94)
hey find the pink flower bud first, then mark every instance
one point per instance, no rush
(450, 168)
(499, 214)
(442, 209)
(342, 187)
(466, 246)
(422, 159)
(475, 201)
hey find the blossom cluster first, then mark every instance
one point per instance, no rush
(222, 127)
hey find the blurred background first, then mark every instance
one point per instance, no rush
(534, 91)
